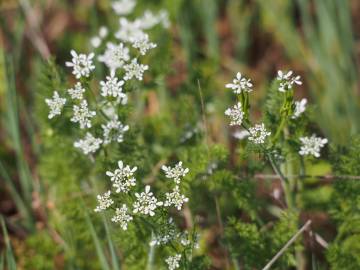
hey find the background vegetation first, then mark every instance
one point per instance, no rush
(46, 193)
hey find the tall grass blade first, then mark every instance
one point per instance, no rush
(97, 242)
(114, 256)
(9, 255)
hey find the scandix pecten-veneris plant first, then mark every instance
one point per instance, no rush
(97, 111)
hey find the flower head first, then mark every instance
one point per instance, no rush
(115, 56)
(165, 234)
(55, 104)
(82, 64)
(129, 30)
(82, 115)
(112, 87)
(173, 262)
(135, 70)
(300, 107)
(123, 177)
(123, 7)
(175, 198)
(114, 130)
(89, 144)
(258, 133)
(236, 114)
(122, 217)
(287, 80)
(104, 201)
(312, 145)
(240, 84)
(176, 172)
(146, 202)
(241, 134)
(143, 44)
(77, 91)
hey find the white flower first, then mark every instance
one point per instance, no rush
(146, 202)
(159, 240)
(165, 234)
(110, 111)
(258, 133)
(149, 19)
(173, 262)
(143, 44)
(95, 41)
(175, 198)
(129, 30)
(122, 217)
(123, 177)
(104, 201)
(103, 32)
(82, 115)
(77, 91)
(236, 114)
(114, 56)
(135, 70)
(300, 107)
(240, 84)
(55, 104)
(123, 7)
(312, 145)
(176, 172)
(164, 18)
(241, 134)
(185, 241)
(286, 81)
(114, 131)
(89, 144)
(81, 63)
(112, 86)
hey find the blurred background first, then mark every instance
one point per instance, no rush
(209, 40)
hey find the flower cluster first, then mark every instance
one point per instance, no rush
(312, 145)
(114, 131)
(112, 87)
(300, 107)
(240, 84)
(123, 177)
(287, 80)
(121, 55)
(258, 133)
(175, 198)
(77, 91)
(81, 64)
(176, 172)
(143, 44)
(144, 203)
(104, 201)
(122, 217)
(89, 144)
(55, 104)
(173, 262)
(236, 114)
(82, 115)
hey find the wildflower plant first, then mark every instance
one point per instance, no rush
(98, 109)
(154, 186)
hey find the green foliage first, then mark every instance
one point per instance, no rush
(253, 245)
(344, 252)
